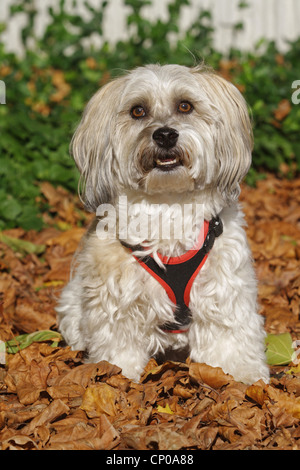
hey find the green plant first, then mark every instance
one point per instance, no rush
(47, 88)
(266, 79)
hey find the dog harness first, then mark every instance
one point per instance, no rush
(178, 274)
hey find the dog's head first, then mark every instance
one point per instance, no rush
(163, 129)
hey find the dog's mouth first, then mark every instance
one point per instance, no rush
(167, 162)
(162, 161)
(166, 171)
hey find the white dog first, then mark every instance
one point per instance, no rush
(157, 144)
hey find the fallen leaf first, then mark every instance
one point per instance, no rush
(19, 442)
(212, 376)
(98, 399)
(288, 402)
(283, 109)
(165, 409)
(22, 246)
(42, 387)
(163, 437)
(294, 369)
(257, 394)
(23, 341)
(279, 349)
(55, 410)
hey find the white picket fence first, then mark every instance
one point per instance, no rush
(272, 19)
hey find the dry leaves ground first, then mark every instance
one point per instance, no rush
(50, 399)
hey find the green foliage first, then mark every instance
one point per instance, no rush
(279, 349)
(47, 88)
(266, 80)
(23, 341)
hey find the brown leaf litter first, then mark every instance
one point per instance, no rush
(51, 399)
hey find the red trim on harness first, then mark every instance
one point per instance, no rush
(175, 331)
(186, 296)
(166, 286)
(189, 254)
(177, 282)
(179, 260)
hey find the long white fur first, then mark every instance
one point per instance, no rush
(112, 308)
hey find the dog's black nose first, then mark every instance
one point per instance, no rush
(165, 137)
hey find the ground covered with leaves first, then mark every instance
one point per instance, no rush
(51, 399)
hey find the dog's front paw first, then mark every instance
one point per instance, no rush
(252, 373)
(131, 370)
(243, 368)
(132, 364)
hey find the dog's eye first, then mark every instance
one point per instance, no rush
(138, 112)
(185, 107)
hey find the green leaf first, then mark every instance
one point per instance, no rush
(30, 219)
(22, 246)
(10, 209)
(279, 349)
(23, 341)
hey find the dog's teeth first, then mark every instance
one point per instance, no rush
(166, 162)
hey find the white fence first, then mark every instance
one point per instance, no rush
(273, 19)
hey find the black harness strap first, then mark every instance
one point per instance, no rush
(177, 277)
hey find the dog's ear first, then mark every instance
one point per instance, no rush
(91, 146)
(233, 134)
